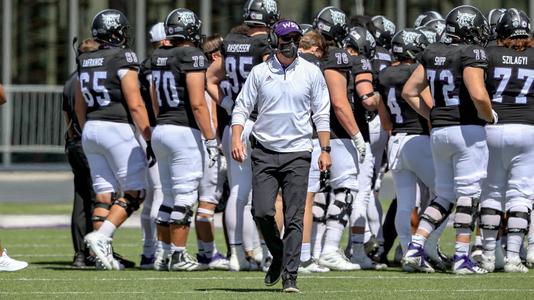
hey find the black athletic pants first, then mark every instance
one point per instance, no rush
(84, 196)
(288, 171)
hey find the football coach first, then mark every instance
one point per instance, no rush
(288, 93)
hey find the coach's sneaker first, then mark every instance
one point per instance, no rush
(100, 246)
(463, 265)
(7, 264)
(182, 261)
(161, 259)
(147, 263)
(366, 263)
(337, 261)
(238, 260)
(311, 266)
(216, 262)
(415, 258)
(514, 265)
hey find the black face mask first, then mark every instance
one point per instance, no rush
(288, 50)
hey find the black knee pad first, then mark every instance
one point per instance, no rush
(344, 207)
(321, 219)
(466, 213)
(188, 214)
(444, 212)
(519, 215)
(490, 212)
(131, 203)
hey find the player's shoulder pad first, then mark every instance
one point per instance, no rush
(383, 54)
(360, 64)
(190, 59)
(125, 58)
(337, 59)
(473, 56)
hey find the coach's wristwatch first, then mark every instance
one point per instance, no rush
(326, 149)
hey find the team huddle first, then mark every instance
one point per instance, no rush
(446, 106)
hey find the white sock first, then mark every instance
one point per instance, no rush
(206, 248)
(489, 242)
(461, 249)
(513, 245)
(165, 246)
(333, 234)
(305, 252)
(478, 240)
(419, 240)
(107, 229)
(318, 230)
(358, 249)
(175, 248)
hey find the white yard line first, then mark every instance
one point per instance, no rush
(222, 291)
(231, 278)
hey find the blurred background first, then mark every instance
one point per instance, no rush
(37, 57)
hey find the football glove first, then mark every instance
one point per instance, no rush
(359, 144)
(150, 155)
(213, 151)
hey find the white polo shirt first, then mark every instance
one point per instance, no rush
(288, 100)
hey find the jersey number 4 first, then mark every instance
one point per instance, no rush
(504, 74)
(92, 88)
(394, 107)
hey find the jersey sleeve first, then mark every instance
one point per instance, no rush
(262, 46)
(125, 59)
(361, 65)
(474, 56)
(192, 59)
(337, 59)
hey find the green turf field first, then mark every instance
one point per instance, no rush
(50, 276)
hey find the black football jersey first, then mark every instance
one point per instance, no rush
(169, 68)
(360, 65)
(144, 73)
(311, 58)
(404, 118)
(241, 53)
(337, 59)
(98, 73)
(382, 60)
(68, 103)
(509, 83)
(444, 65)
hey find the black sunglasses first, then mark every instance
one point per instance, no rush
(290, 38)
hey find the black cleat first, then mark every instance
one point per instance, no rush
(128, 264)
(290, 286)
(273, 274)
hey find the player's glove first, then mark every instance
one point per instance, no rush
(228, 104)
(150, 155)
(359, 144)
(213, 151)
(495, 117)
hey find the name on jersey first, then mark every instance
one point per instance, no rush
(161, 61)
(514, 60)
(440, 60)
(239, 48)
(93, 62)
